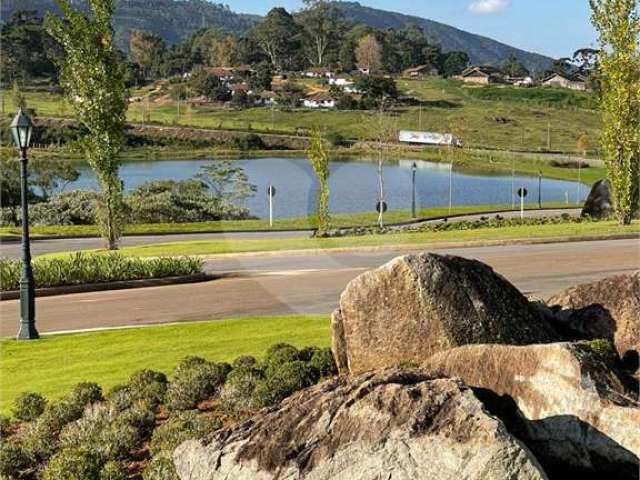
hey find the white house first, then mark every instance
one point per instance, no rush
(319, 100)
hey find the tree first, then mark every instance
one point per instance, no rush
(277, 36)
(261, 79)
(513, 68)
(618, 26)
(319, 160)
(290, 94)
(204, 83)
(28, 51)
(375, 89)
(52, 176)
(19, 100)
(454, 63)
(368, 54)
(320, 28)
(147, 50)
(226, 181)
(93, 78)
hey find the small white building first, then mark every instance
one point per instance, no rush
(319, 100)
(265, 98)
(572, 82)
(520, 81)
(318, 73)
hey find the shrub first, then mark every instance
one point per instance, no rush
(160, 468)
(5, 425)
(307, 353)
(238, 391)
(282, 381)
(141, 417)
(28, 406)
(70, 208)
(195, 380)
(81, 268)
(323, 361)
(148, 385)
(72, 464)
(249, 141)
(113, 471)
(279, 354)
(86, 393)
(39, 439)
(120, 397)
(13, 459)
(181, 427)
(246, 361)
(103, 431)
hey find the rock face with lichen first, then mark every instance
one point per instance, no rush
(563, 400)
(399, 424)
(608, 309)
(419, 305)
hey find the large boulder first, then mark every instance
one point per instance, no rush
(419, 305)
(598, 204)
(562, 400)
(392, 424)
(609, 309)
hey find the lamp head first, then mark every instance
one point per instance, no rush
(21, 129)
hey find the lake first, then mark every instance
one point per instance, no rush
(354, 184)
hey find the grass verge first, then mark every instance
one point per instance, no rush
(301, 223)
(54, 364)
(522, 232)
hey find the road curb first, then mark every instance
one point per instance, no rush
(118, 285)
(421, 247)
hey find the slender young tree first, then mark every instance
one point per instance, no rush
(319, 160)
(618, 25)
(93, 78)
(369, 54)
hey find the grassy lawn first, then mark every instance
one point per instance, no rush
(524, 232)
(496, 117)
(303, 223)
(55, 363)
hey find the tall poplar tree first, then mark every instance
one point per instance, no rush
(618, 25)
(93, 78)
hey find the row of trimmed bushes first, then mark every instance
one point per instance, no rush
(80, 268)
(443, 226)
(90, 436)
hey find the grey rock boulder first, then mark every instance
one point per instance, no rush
(419, 305)
(395, 424)
(598, 204)
(609, 308)
(562, 400)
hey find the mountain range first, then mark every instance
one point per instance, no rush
(175, 20)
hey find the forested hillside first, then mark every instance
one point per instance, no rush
(175, 20)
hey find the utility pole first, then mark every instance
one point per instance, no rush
(420, 117)
(549, 136)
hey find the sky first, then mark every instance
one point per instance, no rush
(552, 27)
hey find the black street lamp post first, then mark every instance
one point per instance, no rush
(413, 190)
(540, 189)
(21, 128)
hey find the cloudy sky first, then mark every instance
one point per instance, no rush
(553, 27)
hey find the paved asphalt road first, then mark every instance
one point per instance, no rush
(308, 284)
(40, 247)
